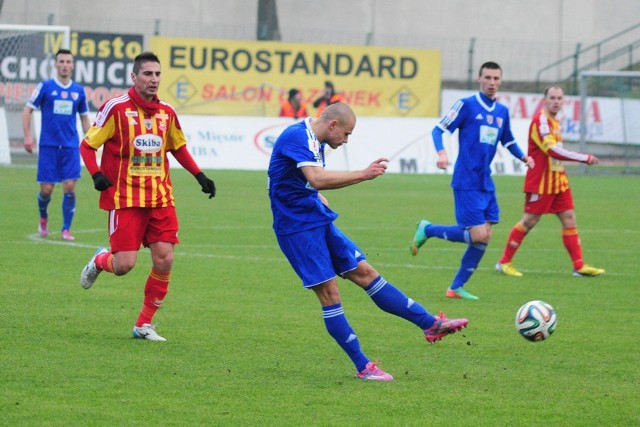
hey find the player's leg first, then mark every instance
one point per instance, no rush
(340, 330)
(425, 230)
(126, 230)
(309, 256)
(161, 236)
(384, 294)
(155, 290)
(47, 176)
(476, 211)
(529, 220)
(68, 209)
(393, 301)
(44, 198)
(563, 207)
(69, 162)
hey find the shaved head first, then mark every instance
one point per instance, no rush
(338, 111)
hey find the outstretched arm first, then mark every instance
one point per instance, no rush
(322, 179)
(561, 153)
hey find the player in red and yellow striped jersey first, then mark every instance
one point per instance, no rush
(136, 131)
(547, 188)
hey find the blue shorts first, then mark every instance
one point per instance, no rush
(319, 254)
(57, 164)
(476, 207)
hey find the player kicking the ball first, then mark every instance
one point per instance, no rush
(317, 250)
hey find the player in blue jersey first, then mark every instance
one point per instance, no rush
(482, 123)
(317, 250)
(60, 100)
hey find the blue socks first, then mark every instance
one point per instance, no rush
(392, 300)
(68, 210)
(42, 205)
(338, 327)
(452, 233)
(468, 264)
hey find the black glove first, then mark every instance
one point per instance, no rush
(207, 184)
(101, 182)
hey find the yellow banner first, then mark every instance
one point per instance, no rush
(240, 78)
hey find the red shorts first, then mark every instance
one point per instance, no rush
(131, 227)
(540, 204)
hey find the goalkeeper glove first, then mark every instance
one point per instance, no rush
(207, 184)
(101, 182)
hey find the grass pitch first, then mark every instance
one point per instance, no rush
(247, 346)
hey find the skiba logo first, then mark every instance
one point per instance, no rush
(147, 143)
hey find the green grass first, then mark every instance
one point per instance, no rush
(247, 346)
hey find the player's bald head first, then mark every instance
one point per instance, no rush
(340, 112)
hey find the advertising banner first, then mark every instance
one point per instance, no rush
(246, 143)
(103, 64)
(242, 78)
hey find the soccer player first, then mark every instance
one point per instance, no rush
(317, 250)
(60, 100)
(547, 188)
(482, 123)
(136, 131)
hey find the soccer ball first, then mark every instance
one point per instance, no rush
(536, 320)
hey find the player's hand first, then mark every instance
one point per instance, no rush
(528, 160)
(593, 160)
(443, 160)
(101, 182)
(323, 200)
(207, 184)
(376, 168)
(28, 144)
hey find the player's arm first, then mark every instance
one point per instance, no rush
(443, 160)
(29, 143)
(86, 124)
(557, 151)
(516, 152)
(322, 179)
(88, 154)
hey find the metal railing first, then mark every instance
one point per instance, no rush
(596, 55)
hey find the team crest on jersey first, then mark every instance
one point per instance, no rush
(64, 94)
(162, 126)
(499, 121)
(148, 124)
(74, 96)
(489, 119)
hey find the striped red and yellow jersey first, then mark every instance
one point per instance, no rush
(134, 155)
(548, 176)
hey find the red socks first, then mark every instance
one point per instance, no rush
(104, 262)
(518, 232)
(571, 241)
(155, 290)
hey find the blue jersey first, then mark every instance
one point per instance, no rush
(59, 106)
(482, 123)
(295, 204)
